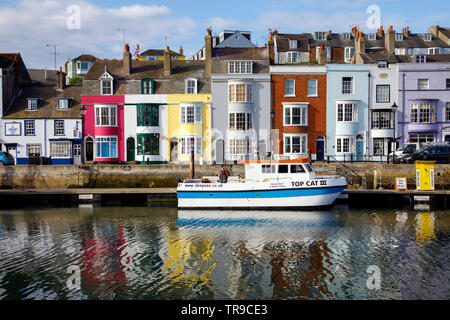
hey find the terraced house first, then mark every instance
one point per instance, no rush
(135, 110)
(43, 124)
(240, 87)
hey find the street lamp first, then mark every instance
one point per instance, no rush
(83, 110)
(394, 110)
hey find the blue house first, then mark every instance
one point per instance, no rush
(347, 112)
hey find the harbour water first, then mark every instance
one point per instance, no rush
(158, 252)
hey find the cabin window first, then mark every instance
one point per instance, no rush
(308, 167)
(283, 168)
(297, 168)
(267, 168)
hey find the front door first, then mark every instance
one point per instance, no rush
(219, 151)
(130, 149)
(359, 150)
(77, 153)
(174, 151)
(89, 147)
(12, 151)
(320, 150)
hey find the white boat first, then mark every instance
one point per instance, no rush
(274, 184)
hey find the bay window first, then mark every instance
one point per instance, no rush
(187, 143)
(347, 112)
(424, 112)
(296, 115)
(240, 146)
(60, 149)
(147, 144)
(106, 147)
(191, 113)
(240, 121)
(295, 143)
(240, 93)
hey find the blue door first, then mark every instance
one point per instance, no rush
(359, 150)
(320, 150)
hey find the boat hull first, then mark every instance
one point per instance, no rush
(263, 195)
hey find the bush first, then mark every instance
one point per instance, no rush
(77, 80)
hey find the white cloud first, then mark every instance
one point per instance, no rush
(30, 25)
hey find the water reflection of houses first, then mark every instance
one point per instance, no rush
(265, 255)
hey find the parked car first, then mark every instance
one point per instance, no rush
(6, 158)
(403, 151)
(438, 152)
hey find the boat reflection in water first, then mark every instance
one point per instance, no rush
(265, 254)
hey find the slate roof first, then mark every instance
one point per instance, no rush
(48, 104)
(159, 53)
(236, 40)
(6, 59)
(306, 40)
(85, 57)
(145, 69)
(38, 77)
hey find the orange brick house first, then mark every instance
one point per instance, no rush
(299, 109)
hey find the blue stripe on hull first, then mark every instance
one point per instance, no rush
(258, 194)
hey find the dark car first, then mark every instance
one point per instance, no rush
(6, 158)
(439, 153)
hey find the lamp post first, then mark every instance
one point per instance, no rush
(394, 110)
(83, 110)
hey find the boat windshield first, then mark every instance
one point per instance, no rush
(297, 168)
(308, 167)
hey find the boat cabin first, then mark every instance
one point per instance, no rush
(273, 170)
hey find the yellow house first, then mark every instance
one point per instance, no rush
(189, 126)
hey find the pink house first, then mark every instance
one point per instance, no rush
(103, 128)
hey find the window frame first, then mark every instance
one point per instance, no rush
(427, 84)
(32, 104)
(351, 87)
(144, 88)
(286, 87)
(244, 145)
(59, 156)
(233, 93)
(55, 128)
(25, 128)
(233, 120)
(65, 105)
(246, 65)
(344, 112)
(196, 140)
(378, 95)
(186, 86)
(292, 44)
(316, 94)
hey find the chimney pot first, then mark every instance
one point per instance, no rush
(126, 62)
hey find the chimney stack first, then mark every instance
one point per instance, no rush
(275, 32)
(208, 53)
(322, 55)
(360, 43)
(389, 40)
(60, 79)
(434, 30)
(380, 32)
(270, 44)
(406, 32)
(167, 62)
(127, 60)
(181, 51)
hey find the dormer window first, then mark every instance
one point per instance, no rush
(106, 84)
(372, 36)
(292, 44)
(346, 36)
(434, 50)
(427, 37)
(191, 86)
(399, 37)
(63, 103)
(32, 104)
(319, 36)
(82, 67)
(420, 58)
(147, 86)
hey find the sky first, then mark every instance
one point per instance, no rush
(98, 27)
